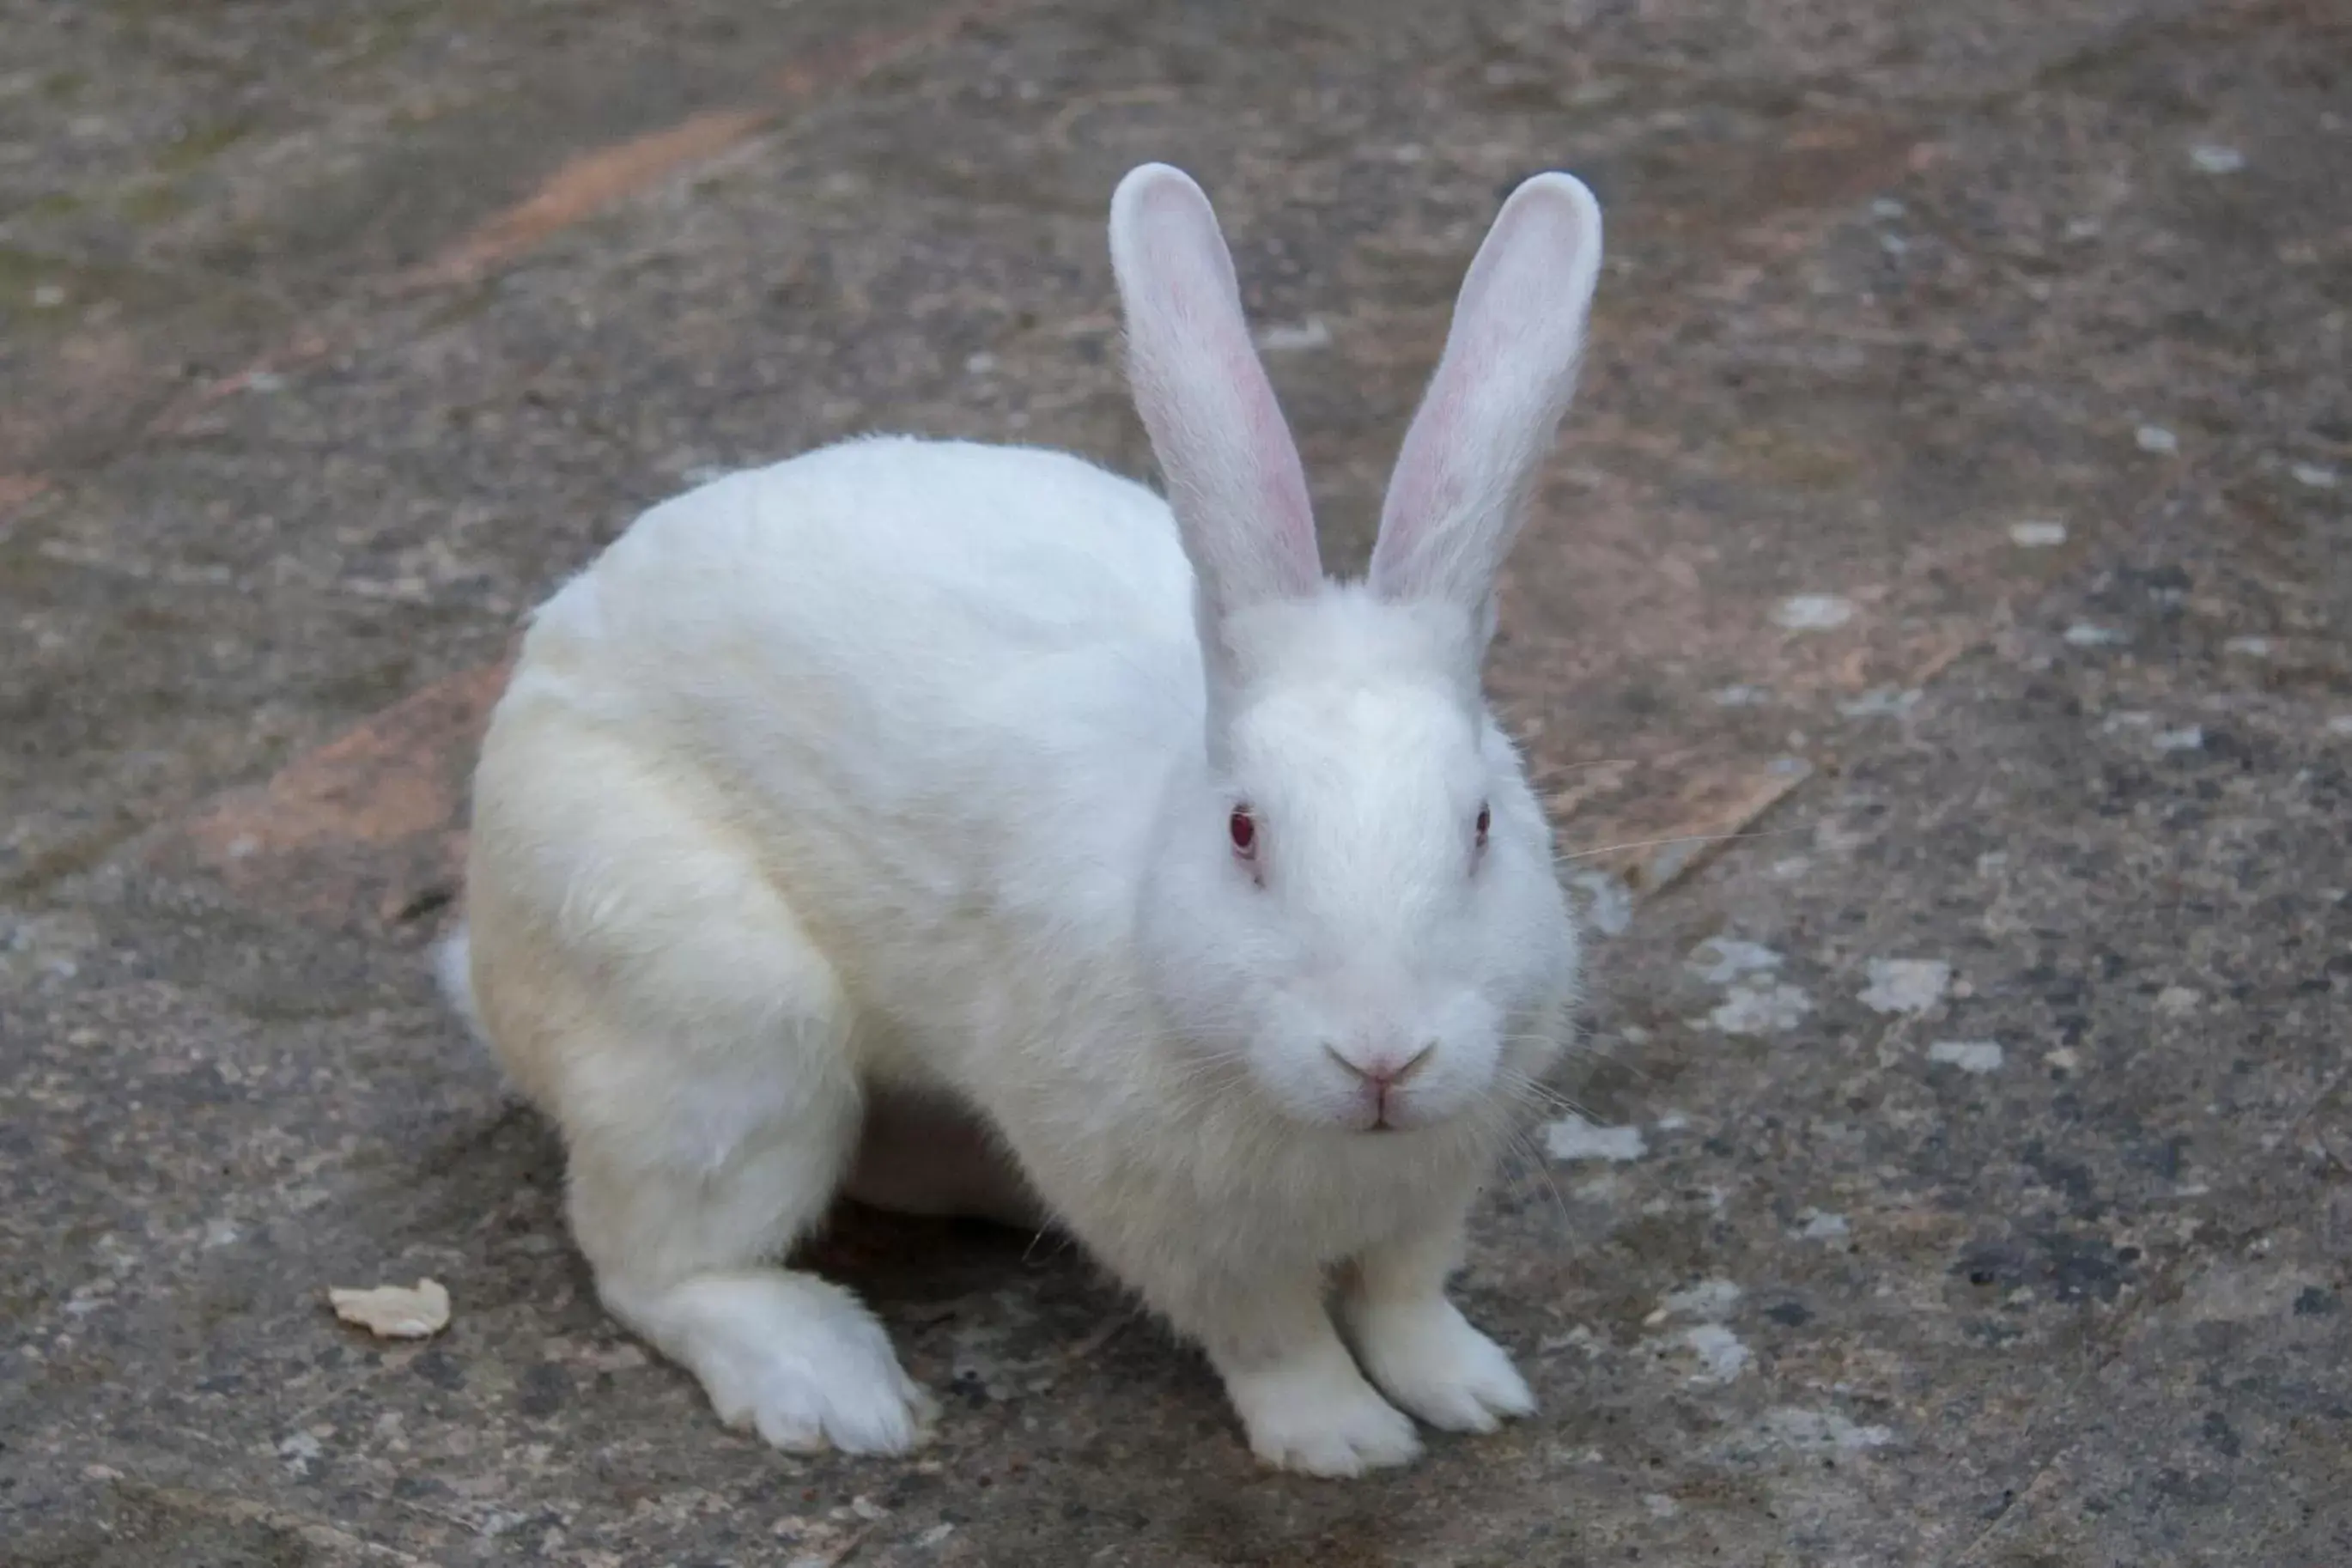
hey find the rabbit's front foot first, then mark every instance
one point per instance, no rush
(1429, 1359)
(1417, 1345)
(1314, 1413)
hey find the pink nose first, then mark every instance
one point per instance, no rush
(1383, 1070)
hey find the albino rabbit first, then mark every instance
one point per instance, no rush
(1089, 855)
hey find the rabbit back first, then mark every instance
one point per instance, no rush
(930, 687)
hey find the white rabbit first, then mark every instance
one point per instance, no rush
(975, 787)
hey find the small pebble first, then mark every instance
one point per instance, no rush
(1720, 960)
(1313, 332)
(1760, 1010)
(1721, 1356)
(1885, 702)
(1607, 902)
(1969, 1055)
(1574, 1138)
(1709, 1301)
(1910, 985)
(1812, 612)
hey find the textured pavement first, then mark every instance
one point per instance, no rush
(1957, 508)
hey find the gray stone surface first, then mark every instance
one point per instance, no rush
(331, 336)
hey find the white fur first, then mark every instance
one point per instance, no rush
(895, 776)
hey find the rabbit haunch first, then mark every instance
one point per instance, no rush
(969, 829)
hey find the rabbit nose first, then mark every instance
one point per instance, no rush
(1383, 1068)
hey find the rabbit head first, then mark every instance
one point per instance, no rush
(1352, 898)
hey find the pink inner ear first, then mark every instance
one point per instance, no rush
(1422, 489)
(1232, 469)
(1280, 481)
(1492, 409)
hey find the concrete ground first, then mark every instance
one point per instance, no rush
(1956, 506)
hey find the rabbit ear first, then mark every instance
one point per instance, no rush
(1234, 478)
(1471, 458)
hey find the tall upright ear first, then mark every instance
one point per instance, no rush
(1234, 478)
(1488, 419)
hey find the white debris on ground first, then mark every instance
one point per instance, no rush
(1748, 1007)
(1813, 613)
(2250, 647)
(1820, 1224)
(1608, 901)
(1906, 985)
(1574, 1138)
(1969, 1055)
(1721, 1356)
(2312, 476)
(1822, 1429)
(2082, 633)
(1709, 1301)
(1883, 702)
(2155, 438)
(1760, 1010)
(2213, 158)
(1314, 332)
(2037, 535)
(2178, 1001)
(1718, 1352)
(395, 1311)
(1722, 960)
(2187, 738)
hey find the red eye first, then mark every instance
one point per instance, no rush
(1242, 828)
(1485, 821)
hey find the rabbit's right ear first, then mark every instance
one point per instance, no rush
(1234, 478)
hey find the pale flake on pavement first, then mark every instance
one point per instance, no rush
(1969, 1055)
(395, 1311)
(1909, 985)
(1574, 1137)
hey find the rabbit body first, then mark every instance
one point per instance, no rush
(976, 791)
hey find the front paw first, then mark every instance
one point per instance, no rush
(1317, 1415)
(1429, 1359)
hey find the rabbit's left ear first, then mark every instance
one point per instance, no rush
(1469, 461)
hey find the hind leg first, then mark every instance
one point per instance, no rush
(646, 983)
(679, 1258)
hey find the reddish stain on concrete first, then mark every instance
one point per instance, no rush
(595, 180)
(364, 828)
